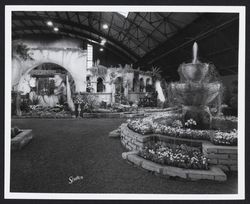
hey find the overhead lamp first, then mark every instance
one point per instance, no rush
(49, 23)
(101, 49)
(56, 29)
(103, 41)
(105, 26)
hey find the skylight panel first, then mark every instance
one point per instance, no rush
(124, 13)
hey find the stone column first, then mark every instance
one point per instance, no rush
(112, 93)
(125, 85)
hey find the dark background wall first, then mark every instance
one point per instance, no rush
(107, 58)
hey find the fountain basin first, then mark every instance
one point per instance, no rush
(194, 72)
(195, 94)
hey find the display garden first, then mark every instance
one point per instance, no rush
(190, 142)
(187, 136)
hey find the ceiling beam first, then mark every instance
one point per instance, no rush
(230, 68)
(228, 49)
(155, 27)
(222, 36)
(68, 32)
(197, 37)
(141, 28)
(111, 23)
(130, 26)
(130, 37)
(84, 27)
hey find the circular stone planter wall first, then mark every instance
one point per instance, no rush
(22, 139)
(214, 173)
(224, 157)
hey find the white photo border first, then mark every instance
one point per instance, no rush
(97, 196)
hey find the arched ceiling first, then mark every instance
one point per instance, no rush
(144, 39)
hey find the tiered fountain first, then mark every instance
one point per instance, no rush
(152, 140)
(196, 89)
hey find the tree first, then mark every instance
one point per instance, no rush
(20, 52)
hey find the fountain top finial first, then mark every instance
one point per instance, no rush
(195, 52)
(194, 71)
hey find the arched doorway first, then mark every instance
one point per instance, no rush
(70, 59)
(141, 85)
(100, 85)
(46, 85)
(136, 87)
(148, 85)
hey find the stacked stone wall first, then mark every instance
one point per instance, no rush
(223, 156)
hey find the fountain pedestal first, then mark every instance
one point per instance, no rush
(201, 114)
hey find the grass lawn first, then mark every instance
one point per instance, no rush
(70, 147)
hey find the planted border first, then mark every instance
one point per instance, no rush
(147, 126)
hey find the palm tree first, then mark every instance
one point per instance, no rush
(156, 71)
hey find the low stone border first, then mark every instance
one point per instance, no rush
(214, 173)
(22, 139)
(115, 133)
(223, 156)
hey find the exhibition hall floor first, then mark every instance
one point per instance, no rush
(71, 155)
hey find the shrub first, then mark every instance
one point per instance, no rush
(24, 106)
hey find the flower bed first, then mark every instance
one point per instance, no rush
(225, 138)
(181, 156)
(52, 112)
(175, 128)
(227, 118)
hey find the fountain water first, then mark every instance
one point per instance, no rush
(196, 90)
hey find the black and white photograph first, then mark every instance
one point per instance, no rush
(124, 102)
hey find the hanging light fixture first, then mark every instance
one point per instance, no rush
(105, 26)
(103, 41)
(49, 23)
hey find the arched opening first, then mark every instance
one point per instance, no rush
(135, 85)
(46, 85)
(148, 85)
(100, 85)
(141, 85)
(136, 82)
